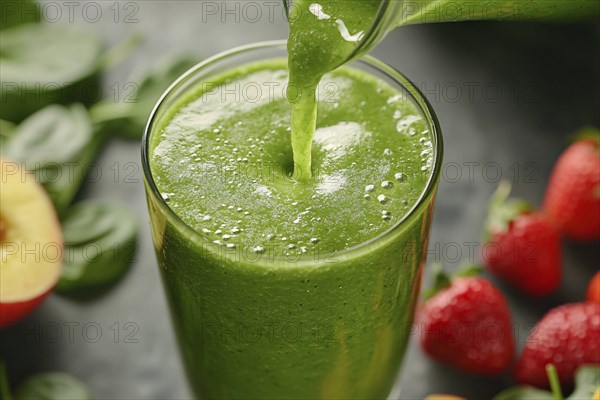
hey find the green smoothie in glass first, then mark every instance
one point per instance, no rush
(290, 203)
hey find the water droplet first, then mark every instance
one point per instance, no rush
(369, 188)
(382, 199)
(400, 177)
(387, 184)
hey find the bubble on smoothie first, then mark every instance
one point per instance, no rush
(258, 249)
(314, 240)
(235, 230)
(207, 218)
(400, 177)
(291, 246)
(226, 237)
(369, 188)
(303, 250)
(382, 198)
(388, 152)
(231, 245)
(387, 184)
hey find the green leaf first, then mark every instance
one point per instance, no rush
(7, 129)
(4, 386)
(47, 63)
(58, 145)
(100, 242)
(128, 117)
(439, 281)
(588, 133)
(524, 393)
(503, 210)
(52, 386)
(18, 12)
(469, 270)
(587, 381)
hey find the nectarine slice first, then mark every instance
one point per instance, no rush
(31, 243)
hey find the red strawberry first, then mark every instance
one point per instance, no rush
(573, 195)
(567, 336)
(593, 290)
(522, 246)
(466, 323)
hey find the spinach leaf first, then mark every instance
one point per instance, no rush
(127, 117)
(52, 386)
(17, 12)
(47, 63)
(587, 381)
(58, 145)
(524, 393)
(7, 128)
(100, 243)
(5, 393)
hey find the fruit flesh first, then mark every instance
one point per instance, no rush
(31, 244)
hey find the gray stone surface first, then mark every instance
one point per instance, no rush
(531, 85)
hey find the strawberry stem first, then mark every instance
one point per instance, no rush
(554, 382)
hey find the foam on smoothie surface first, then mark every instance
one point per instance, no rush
(224, 162)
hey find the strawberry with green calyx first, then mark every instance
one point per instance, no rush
(572, 197)
(522, 246)
(568, 336)
(465, 322)
(587, 384)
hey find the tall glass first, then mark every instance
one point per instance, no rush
(241, 337)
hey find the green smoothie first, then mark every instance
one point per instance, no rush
(276, 294)
(290, 203)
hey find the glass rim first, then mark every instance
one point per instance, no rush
(398, 78)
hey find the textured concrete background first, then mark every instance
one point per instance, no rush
(506, 96)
